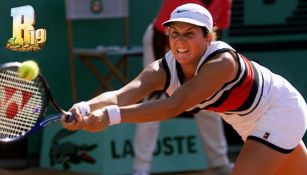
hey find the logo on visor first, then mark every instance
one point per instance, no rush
(179, 11)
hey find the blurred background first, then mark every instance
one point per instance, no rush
(270, 32)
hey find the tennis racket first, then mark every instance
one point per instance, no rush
(23, 104)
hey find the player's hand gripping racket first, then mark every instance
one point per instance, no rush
(23, 104)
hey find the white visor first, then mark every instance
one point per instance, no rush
(192, 14)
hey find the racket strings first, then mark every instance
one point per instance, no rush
(21, 103)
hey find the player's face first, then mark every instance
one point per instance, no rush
(187, 42)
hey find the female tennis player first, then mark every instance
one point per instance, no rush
(202, 74)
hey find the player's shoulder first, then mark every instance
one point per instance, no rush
(154, 66)
(223, 63)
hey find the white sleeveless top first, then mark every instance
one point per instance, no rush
(240, 96)
(257, 103)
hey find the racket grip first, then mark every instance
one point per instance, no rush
(69, 117)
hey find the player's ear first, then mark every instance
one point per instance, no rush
(209, 37)
(207, 34)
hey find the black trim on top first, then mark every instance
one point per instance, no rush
(254, 90)
(194, 111)
(214, 54)
(271, 145)
(237, 76)
(261, 93)
(226, 93)
(251, 100)
(180, 73)
(168, 74)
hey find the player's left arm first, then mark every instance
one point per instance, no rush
(211, 77)
(152, 78)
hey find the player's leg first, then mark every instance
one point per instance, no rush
(146, 135)
(214, 142)
(296, 162)
(257, 158)
(145, 140)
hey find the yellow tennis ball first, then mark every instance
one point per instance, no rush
(28, 70)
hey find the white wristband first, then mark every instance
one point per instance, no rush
(83, 107)
(114, 114)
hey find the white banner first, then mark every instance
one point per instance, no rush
(96, 9)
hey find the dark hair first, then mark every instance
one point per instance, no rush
(205, 32)
(213, 32)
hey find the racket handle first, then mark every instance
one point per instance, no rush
(69, 117)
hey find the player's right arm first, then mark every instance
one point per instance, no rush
(152, 78)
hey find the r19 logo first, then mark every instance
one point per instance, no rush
(25, 37)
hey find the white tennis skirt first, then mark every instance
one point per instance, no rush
(279, 121)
